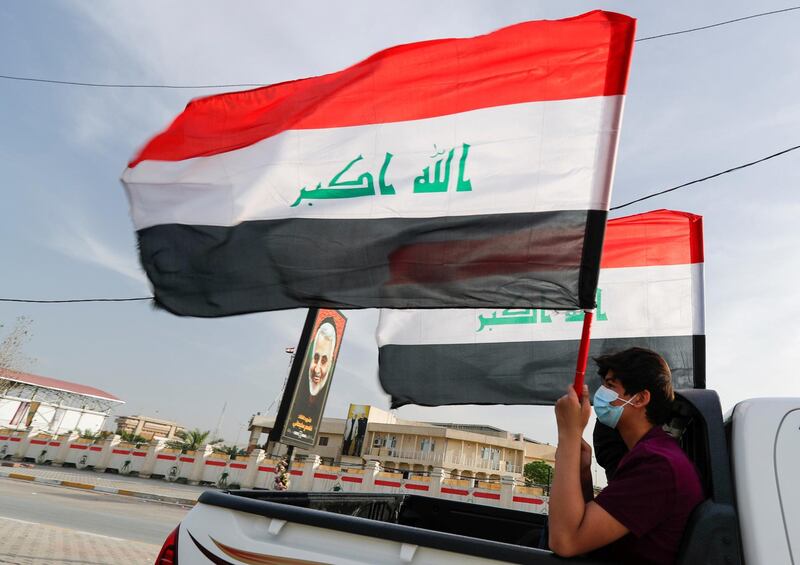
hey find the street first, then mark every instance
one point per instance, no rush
(43, 524)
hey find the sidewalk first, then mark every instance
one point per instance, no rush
(25, 543)
(151, 489)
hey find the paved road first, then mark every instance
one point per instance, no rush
(44, 524)
(151, 486)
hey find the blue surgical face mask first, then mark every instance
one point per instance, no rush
(606, 413)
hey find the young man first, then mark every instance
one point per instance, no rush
(640, 516)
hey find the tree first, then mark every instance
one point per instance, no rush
(191, 440)
(130, 437)
(89, 434)
(538, 473)
(11, 356)
(231, 450)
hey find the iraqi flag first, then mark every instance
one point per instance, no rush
(650, 295)
(448, 173)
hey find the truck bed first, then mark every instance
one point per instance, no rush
(415, 529)
(307, 528)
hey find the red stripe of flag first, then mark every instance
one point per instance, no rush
(347, 479)
(326, 476)
(493, 496)
(382, 483)
(661, 237)
(238, 466)
(166, 457)
(533, 61)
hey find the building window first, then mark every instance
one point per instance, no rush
(427, 445)
(323, 441)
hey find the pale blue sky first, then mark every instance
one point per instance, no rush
(697, 103)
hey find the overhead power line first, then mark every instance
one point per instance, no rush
(719, 24)
(255, 85)
(114, 85)
(72, 300)
(709, 177)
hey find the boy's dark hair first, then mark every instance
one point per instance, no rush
(639, 369)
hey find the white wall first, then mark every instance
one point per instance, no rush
(69, 422)
(8, 408)
(43, 419)
(92, 422)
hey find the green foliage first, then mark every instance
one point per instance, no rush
(130, 437)
(96, 436)
(230, 450)
(538, 473)
(191, 440)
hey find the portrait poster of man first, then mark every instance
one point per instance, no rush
(310, 378)
(355, 430)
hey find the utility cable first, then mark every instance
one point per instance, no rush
(72, 300)
(709, 177)
(718, 24)
(256, 85)
(113, 85)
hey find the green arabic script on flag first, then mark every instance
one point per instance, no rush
(364, 184)
(517, 316)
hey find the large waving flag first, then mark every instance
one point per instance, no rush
(650, 295)
(449, 173)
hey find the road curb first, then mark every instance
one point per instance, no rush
(106, 490)
(16, 464)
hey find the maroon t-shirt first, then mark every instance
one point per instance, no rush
(652, 493)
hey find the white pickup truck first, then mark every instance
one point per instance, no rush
(750, 465)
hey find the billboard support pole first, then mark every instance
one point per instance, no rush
(289, 460)
(583, 353)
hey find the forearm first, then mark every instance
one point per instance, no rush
(567, 504)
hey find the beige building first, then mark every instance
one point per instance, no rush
(462, 450)
(148, 427)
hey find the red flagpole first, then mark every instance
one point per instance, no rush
(583, 352)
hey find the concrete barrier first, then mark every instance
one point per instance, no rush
(258, 471)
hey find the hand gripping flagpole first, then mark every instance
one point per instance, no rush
(583, 352)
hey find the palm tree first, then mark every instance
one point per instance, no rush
(190, 440)
(130, 437)
(89, 434)
(231, 450)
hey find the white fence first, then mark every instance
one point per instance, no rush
(257, 471)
